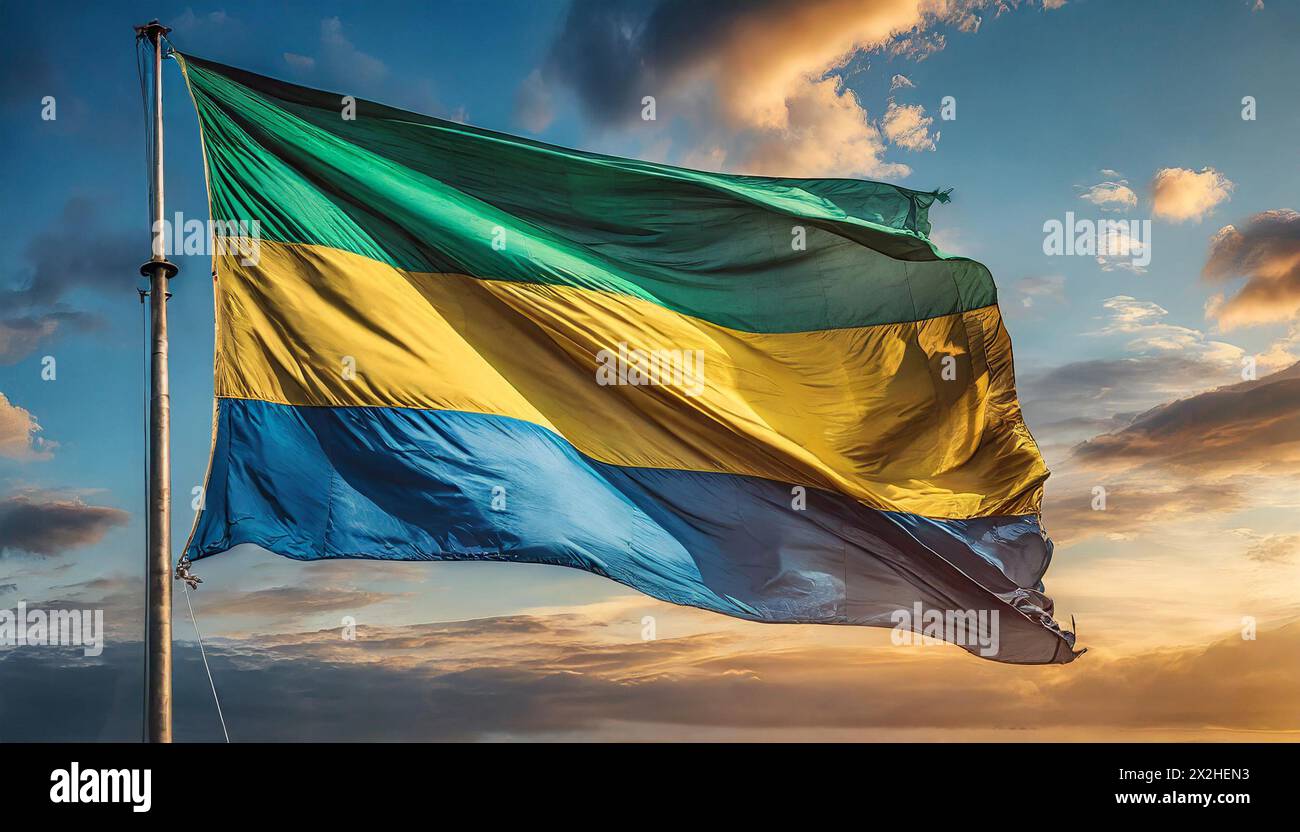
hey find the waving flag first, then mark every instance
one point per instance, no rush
(771, 398)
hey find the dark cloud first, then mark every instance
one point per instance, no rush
(612, 52)
(76, 252)
(29, 74)
(20, 335)
(1244, 428)
(608, 50)
(1078, 400)
(520, 677)
(1267, 254)
(754, 85)
(51, 526)
(100, 259)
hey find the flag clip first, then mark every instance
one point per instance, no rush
(183, 573)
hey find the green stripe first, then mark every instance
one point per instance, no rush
(429, 195)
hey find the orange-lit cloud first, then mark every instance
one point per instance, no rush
(1133, 508)
(1180, 194)
(1267, 254)
(1251, 427)
(825, 134)
(19, 433)
(757, 81)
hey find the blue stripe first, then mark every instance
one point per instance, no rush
(399, 484)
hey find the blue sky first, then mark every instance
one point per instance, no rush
(1049, 104)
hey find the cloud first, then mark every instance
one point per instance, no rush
(1127, 314)
(826, 136)
(1114, 194)
(35, 307)
(1118, 248)
(917, 47)
(189, 22)
(20, 335)
(1281, 354)
(1144, 322)
(1076, 401)
(1180, 194)
(289, 602)
(1132, 508)
(556, 676)
(19, 431)
(48, 525)
(339, 59)
(743, 78)
(1251, 427)
(900, 82)
(1270, 548)
(97, 261)
(339, 53)
(301, 63)
(907, 126)
(1267, 254)
(534, 107)
(1050, 288)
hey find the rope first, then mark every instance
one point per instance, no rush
(203, 652)
(144, 642)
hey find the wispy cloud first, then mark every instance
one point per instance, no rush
(907, 126)
(1113, 194)
(338, 58)
(1270, 548)
(288, 603)
(1143, 322)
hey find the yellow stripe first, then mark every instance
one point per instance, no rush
(864, 411)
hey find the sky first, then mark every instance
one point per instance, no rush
(1164, 375)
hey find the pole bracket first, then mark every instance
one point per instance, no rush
(169, 268)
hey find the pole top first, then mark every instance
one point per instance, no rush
(152, 30)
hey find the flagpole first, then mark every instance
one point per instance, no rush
(158, 571)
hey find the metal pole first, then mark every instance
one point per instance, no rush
(158, 570)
